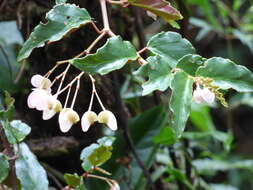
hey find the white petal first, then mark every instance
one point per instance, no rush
(88, 119)
(38, 99)
(109, 119)
(36, 80)
(197, 96)
(48, 114)
(115, 186)
(67, 118)
(45, 83)
(208, 96)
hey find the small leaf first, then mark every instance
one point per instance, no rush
(29, 171)
(7, 107)
(61, 20)
(158, 7)
(226, 74)
(72, 180)
(16, 131)
(180, 102)
(170, 46)
(159, 75)
(4, 167)
(112, 56)
(97, 154)
(190, 63)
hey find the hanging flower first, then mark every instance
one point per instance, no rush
(67, 118)
(108, 118)
(203, 95)
(38, 99)
(41, 82)
(88, 119)
(114, 185)
(53, 106)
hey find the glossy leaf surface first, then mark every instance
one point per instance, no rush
(4, 167)
(61, 20)
(112, 56)
(227, 74)
(170, 46)
(180, 102)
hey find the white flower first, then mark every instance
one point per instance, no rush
(39, 81)
(38, 99)
(88, 119)
(67, 118)
(53, 106)
(203, 95)
(108, 118)
(152, 15)
(115, 186)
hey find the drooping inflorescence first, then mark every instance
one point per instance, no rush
(43, 99)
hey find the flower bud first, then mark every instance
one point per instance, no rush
(54, 106)
(39, 81)
(88, 119)
(108, 118)
(115, 186)
(67, 118)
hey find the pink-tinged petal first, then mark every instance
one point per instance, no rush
(197, 96)
(108, 118)
(208, 96)
(38, 99)
(36, 80)
(115, 186)
(88, 119)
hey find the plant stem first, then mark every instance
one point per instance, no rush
(105, 15)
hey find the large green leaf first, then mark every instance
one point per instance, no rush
(180, 102)
(158, 7)
(227, 74)
(158, 72)
(60, 1)
(97, 154)
(170, 46)
(190, 63)
(112, 56)
(61, 20)
(4, 167)
(16, 131)
(29, 171)
(166, 136)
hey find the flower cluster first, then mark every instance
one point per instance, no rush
(42, 99)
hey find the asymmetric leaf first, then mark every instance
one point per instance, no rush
(29, 171)
(158, 72)
(158, 7)
(112, 56)
(170, 46)
(180, 102)
(61, 20)
(227, 74)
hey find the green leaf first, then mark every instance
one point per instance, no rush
(158, 7)
(180, 102)
(97, 154)
(7, 108)
(166, 136)
(16, 131)
(4, 167)
(61, 20)
(29, 171)
(60, 1)
(112, 56)
(158, 72)
(72, 180)
(227, 74)
(190, 63)
(170, 46)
